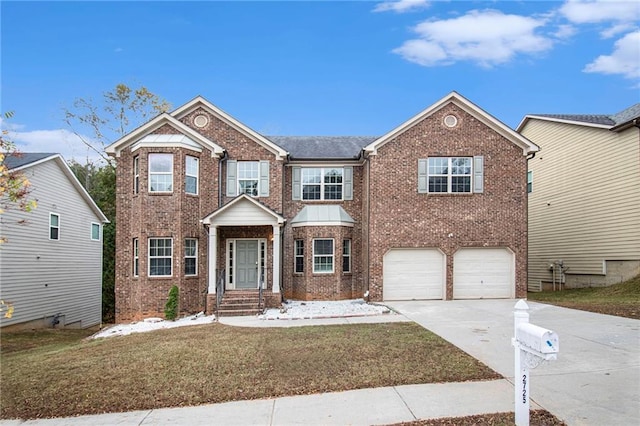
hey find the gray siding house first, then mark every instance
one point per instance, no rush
(51, 262)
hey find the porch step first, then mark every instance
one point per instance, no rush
(240, 303)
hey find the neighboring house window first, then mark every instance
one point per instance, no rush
(248, 177)
(160, 172)
(529, 181)
(95, 231)
(191, 175)
(136, 174)
(322, 184)
(190, 256)
(323, 256)
(160, 257)
(346, 256)
(136, 258)
(449, 174)
(299, 256)
(54, 226)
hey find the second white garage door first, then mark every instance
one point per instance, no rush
(483, 273)
(413, 274)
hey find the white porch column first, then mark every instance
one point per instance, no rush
(213, 255)
(276, 259)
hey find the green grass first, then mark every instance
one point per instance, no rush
(217, 363)
(621, 299)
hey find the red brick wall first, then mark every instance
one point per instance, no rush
(401, 217)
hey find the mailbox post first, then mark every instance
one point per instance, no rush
(532, 345)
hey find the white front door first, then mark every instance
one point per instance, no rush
(247, 264)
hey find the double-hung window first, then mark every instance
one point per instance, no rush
(136, 258)
(248, 177)
(323, 256)
(191, 175)
(346, 256)
(449, 174)
(54, 226)
(160, 257)
(322, 183)
(299, 256)
(191, 256)
(136, 174)
(160, 172)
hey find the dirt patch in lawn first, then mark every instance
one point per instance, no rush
(621, 300)
(217, 363)
(537, 418)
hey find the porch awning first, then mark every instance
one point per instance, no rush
(322, 215)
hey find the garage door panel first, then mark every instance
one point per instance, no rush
(483, 273)
(410, 274)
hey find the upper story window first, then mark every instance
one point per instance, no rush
(191, 175)
(529, 182)
(322, 184)
(248, 177)
(453, 175)
(136, 174)
(160, 172)
(95, 231)
(54, 226)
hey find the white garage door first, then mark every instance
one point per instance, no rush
(413, 274)
(483, 273)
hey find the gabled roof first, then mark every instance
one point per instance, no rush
(31, 159)
(469, 107)
(323, 147)
(156, 123)
(236, 202)
(615, 122)
(200, 102)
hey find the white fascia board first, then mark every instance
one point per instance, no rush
(301, 224)
(469, 107)
(116, 147)
(35, 163)
(199, 101)
(324, 163)
(526, 119)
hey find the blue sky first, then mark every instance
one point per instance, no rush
(315, 67)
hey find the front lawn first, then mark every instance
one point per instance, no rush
(621, 299)
(217, 363)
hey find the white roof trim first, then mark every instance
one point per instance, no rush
(559, 120)
(322, 215)
(73, 179)
(158, 140)
(210, 219)
(144, 130)
(199, 101)
(460, 101)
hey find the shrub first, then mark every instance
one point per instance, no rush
(171, 307)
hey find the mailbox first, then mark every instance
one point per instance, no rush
(537, 338)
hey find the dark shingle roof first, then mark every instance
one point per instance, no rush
(617, 119)
(14, 161)
(322, 147)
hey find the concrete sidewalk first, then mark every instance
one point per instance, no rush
(378, 406)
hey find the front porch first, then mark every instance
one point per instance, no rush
(244, 254)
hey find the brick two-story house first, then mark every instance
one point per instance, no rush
(434, 209)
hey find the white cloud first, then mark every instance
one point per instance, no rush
(565, 31)
(624, 60)
(60, 141)
(401, 6)
(620, 14)
(486, 37)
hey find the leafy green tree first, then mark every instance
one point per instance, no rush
(97, 124)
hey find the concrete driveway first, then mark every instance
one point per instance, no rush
(594, 381)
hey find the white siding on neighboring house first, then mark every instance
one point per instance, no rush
(584, 208)
(43, 277)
